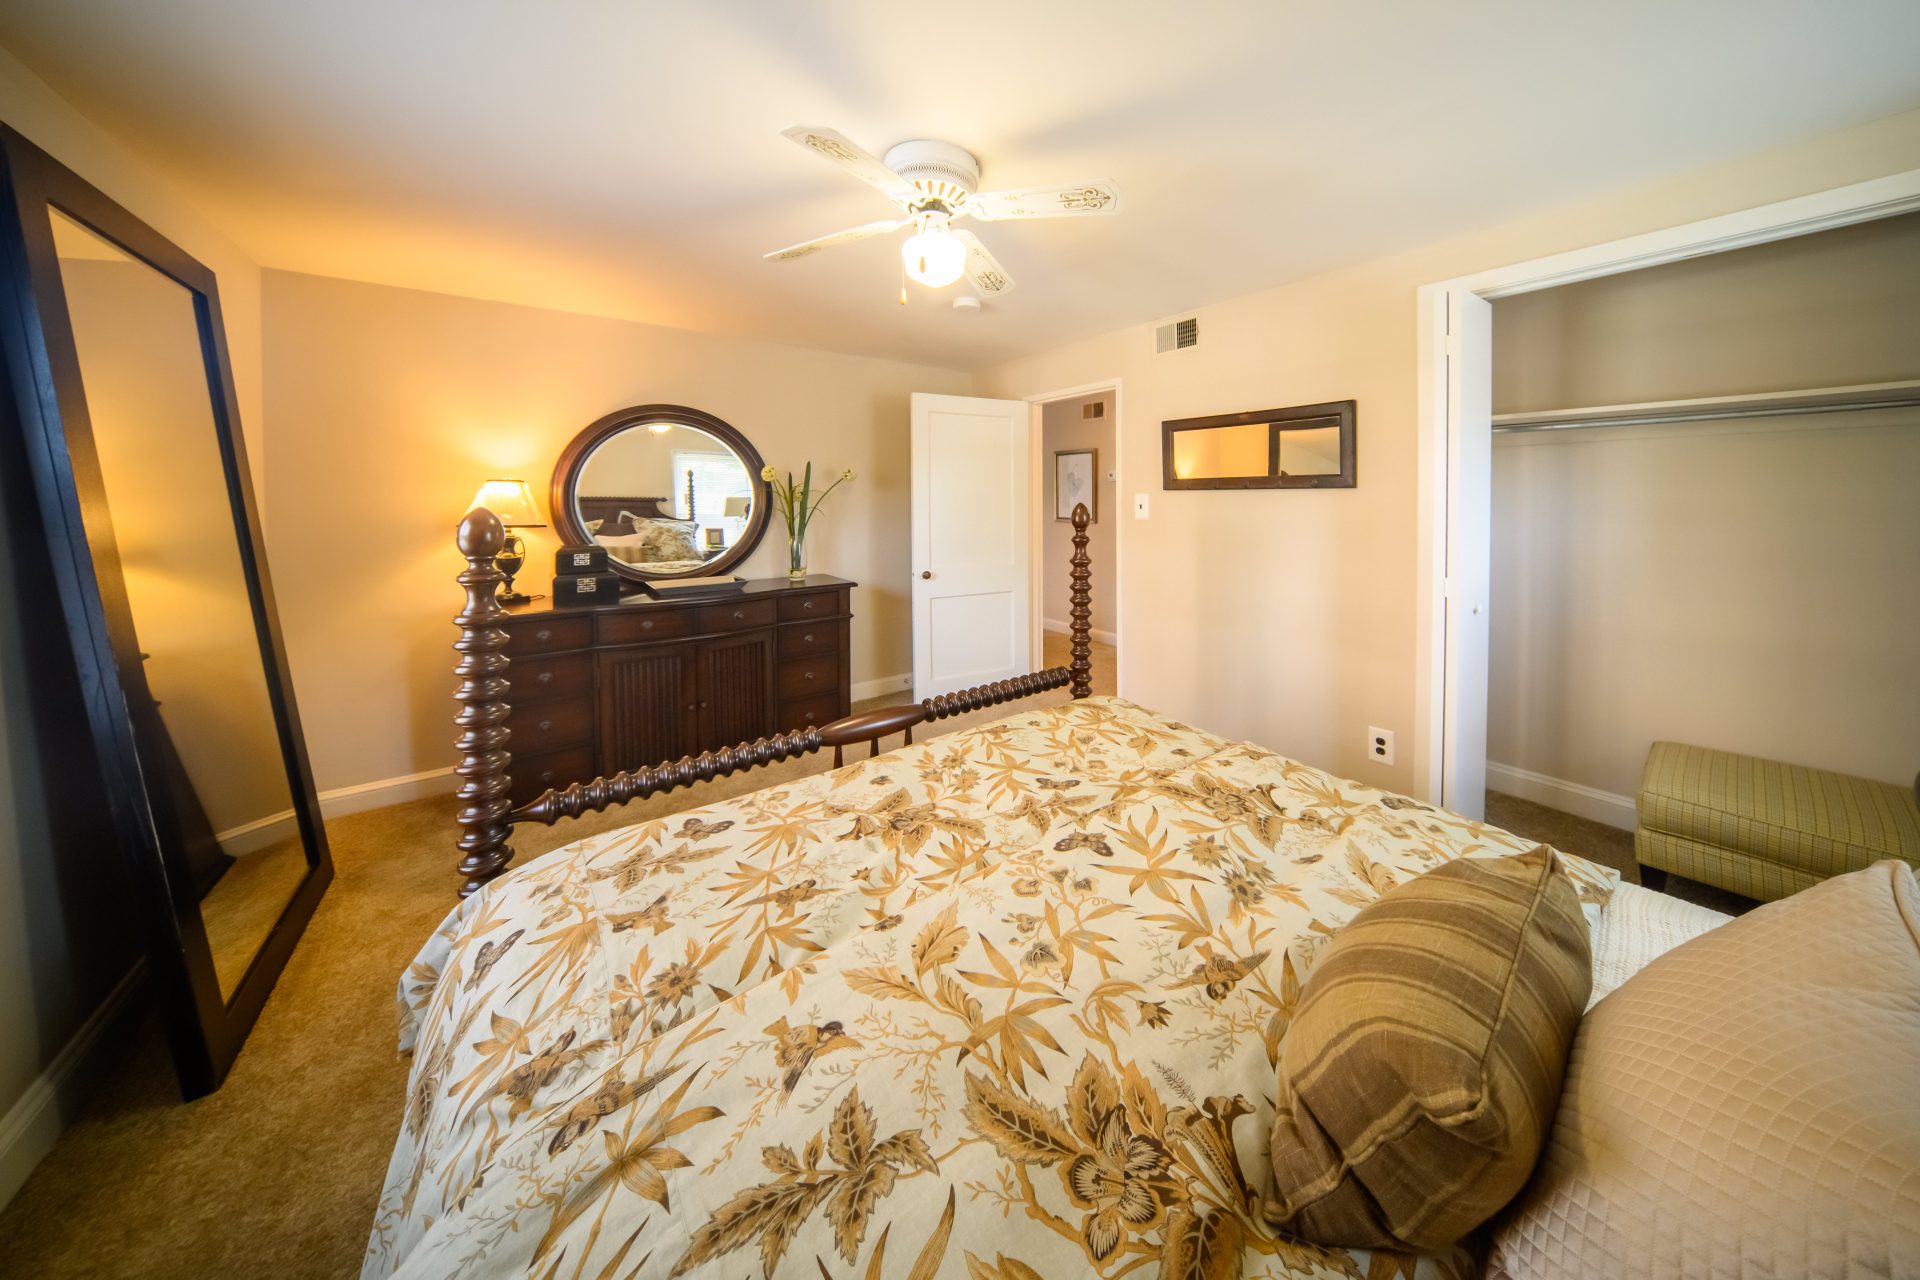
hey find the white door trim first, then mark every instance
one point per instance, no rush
(1038, 501)
(1843, 206)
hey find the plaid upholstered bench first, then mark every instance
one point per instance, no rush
(1761, 828)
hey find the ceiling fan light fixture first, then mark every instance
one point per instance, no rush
(934, 255)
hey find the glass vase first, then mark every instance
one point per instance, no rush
(796, 556)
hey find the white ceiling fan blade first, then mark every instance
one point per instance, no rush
(847, 154)
(987, 275)
(1078, 199)
(861, 232)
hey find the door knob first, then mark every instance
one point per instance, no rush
(926, 573)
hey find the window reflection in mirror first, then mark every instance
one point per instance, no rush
(1309, 447)
(137, 335)
(1306, 449)
(664, 498)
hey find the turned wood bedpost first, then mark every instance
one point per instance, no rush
(483, 708)
(1082, 629)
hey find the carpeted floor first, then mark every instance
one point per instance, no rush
(1598, 842)
(277, 1174)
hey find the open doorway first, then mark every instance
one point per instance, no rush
(1077, 460)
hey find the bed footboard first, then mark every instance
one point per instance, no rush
(487, 817)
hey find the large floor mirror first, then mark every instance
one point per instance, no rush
(124, 397)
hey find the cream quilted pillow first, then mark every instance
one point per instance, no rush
(1747, 1105)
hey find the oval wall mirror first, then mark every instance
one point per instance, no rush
(669, 491)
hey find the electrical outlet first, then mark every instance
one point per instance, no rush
(1139, 506)
(1379, 744)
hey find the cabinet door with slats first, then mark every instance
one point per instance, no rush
(736, 688)
(648, 706)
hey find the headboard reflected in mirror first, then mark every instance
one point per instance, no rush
(711, 510)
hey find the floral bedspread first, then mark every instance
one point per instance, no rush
(1002, 1005)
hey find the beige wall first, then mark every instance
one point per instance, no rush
(63, 941)
(1288, 616)
(389, 406)
(1748, 586)
(1062, 427)
(1834, 309)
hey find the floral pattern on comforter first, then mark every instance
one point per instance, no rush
(1002, 1005)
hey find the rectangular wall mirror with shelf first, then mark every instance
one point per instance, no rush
(1306, 447)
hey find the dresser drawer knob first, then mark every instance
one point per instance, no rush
(547, 776)
(646, 624)
(739, 615)
(807, 638)
(811, 676)
(704, 704)
(545, 725)
(545, 677)
(543, 634)
(806, 604)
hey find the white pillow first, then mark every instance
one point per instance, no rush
(1636, 927)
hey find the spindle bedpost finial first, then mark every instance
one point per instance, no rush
(1082, 628)
(482, 696)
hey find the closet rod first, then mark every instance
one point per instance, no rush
(1767, 404)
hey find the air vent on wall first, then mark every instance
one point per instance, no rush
(1177, 336)
(1094, 409)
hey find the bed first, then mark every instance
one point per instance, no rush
(1002, 1004)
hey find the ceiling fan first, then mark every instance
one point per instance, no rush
(935, 184)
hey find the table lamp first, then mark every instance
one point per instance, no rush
(512, 501)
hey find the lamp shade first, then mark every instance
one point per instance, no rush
(512, 501)
(737, 507)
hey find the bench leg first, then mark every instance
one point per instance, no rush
(1652, 878)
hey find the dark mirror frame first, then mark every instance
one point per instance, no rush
(1343, 410)
(50, 406)
(573, 460)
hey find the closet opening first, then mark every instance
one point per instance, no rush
(1703, 527)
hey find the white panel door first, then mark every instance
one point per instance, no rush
(1463, 766)
(972, 600)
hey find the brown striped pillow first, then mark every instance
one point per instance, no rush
(1420, 1074)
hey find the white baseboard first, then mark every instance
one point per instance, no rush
(34, 1122)
(1568, 797)
(381, 792)
(1104, 637)
(864, 689)
(252, 837)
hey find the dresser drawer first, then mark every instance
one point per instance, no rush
(546, 726)
(736, 617)
(797, 640)
(803, 677)
(818, 604)
(542, 676)
(546, 635)
(641, 625)
(800, 713)
(533, 774)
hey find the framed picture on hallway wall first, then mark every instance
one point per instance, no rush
(1073, 482)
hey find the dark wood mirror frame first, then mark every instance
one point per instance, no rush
(56, 441)
(561, 498)
(1342, 410)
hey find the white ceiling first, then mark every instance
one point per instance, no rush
(623, 157)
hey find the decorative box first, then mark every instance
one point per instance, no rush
(586, 588)
(590, 559)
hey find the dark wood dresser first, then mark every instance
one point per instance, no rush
(604, 688)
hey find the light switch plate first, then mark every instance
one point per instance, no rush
(1139, 506)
